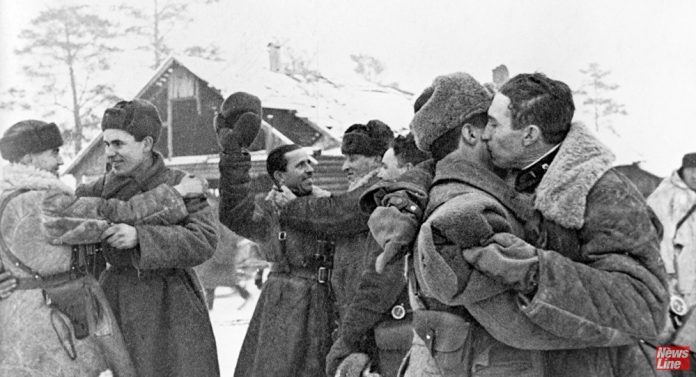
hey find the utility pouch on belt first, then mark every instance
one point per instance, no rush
(72, 299)
(447, 336)
(393, 338)
(394, 335)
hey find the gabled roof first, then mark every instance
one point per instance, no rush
(331, 104)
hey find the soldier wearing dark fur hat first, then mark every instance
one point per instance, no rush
(150, 282)
(363, 147)
(508, 297)
(317, 243)
(58, 321)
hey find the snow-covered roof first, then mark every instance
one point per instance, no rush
(330, 103)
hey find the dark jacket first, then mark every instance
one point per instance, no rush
(601, 286)
(364, 298)
(290, 330)
(152, 288)
(467, 204)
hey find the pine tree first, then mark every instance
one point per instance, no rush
(598, 96)
(67, 48)
(154, 25)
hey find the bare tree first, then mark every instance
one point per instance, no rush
(156, 24)
(367, 66)
(68, 47)
(598, 96)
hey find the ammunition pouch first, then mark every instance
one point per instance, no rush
(393, 338)
(74, 300)
(321, 261)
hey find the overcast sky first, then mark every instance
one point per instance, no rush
(648, 46)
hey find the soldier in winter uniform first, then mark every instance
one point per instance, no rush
(363, 297)
(551, 311)
(301, 229)
(401, 157)
(674, 203)
(467, 202)
(38, 336)
(59, 323)
(150, 283)
(591, 273)
(289, 332)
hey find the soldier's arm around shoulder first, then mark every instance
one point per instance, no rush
(337, 215)
(185, 244)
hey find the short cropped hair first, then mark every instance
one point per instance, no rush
(539, 100)
(406, 151)
(276, 160)
(449, 141)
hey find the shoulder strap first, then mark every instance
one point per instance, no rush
(13, 258)
(683, 219)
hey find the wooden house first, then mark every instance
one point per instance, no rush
(187, 104)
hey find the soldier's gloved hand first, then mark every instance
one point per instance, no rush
(355, 365)
(319, 192)
(394, 231)
(191, 186)
(8, 283)
(238, 122)
(507, 259)
(340, 349)
(280, 197)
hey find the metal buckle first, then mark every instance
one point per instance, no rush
(323, 275)
(398, 311)
(282, 236)
(678, 306)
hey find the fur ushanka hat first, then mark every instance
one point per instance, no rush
(29, 136)
(445, 104)
(371, 139)
(138, 117)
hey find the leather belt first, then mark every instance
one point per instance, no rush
(143, 274)
(321, 275)
(47, 281)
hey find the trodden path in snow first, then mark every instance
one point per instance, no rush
(230, 324)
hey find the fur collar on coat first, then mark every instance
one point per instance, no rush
(20, 176)
(581, 161)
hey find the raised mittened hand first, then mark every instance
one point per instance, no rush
(238, 122)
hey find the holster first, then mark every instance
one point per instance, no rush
(72, 299)
(393, 338)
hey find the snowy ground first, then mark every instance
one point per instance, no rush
(230, 324)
